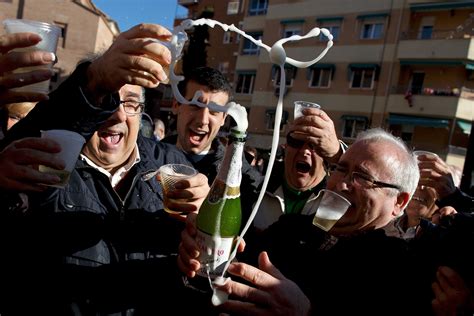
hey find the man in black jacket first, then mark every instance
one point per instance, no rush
(197, 129)
(355, 268)
(101, 242)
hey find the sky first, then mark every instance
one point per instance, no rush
(128, 13)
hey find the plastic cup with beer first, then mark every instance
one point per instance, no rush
(49, 34)
(170, 174)
(301, 105)
(71, 145)
(419, 153)
(331, 208)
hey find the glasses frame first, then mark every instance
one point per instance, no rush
(298, 144)
(373, 183)
(141, 106)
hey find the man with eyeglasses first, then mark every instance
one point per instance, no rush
(104, 240)
(355, 268)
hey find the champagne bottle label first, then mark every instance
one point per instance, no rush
(214, 253)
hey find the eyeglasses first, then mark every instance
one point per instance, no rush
(132, 107)
(362, 179)
(297, 144)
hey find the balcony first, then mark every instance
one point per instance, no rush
(440, 102)
(186, 3)
(442, 45)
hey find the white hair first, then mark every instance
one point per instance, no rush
(404, 167)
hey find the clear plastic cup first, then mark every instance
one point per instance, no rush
(71, 145)
(301, 105)
(331, 208)
(418, 153)
(170, 174)
(49, 34)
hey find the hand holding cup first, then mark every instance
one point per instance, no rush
(28, 49)
(170, 176)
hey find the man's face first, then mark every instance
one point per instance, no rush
(17, 111)
(197, 127)
(422, 203)
(372, 206)
(112, 144)
(303, 167)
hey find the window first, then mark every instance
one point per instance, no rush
(290, 74)
(245, 83)
(320, 77)
(372, 30)
(250, 48)
(258, 7)
(426, 32)
(227, 38)
(353, 125)
(233, 7)
(270, 119)
(238, 36)
(407, 133)
(62, 36)
(333, 29)
(224, 67)
(363, 78)
(292, 29)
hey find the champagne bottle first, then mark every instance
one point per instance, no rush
(219, 218)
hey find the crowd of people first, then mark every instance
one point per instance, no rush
(104, 245)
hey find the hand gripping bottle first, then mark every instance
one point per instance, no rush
(219, 218)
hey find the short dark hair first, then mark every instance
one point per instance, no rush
(209, 77)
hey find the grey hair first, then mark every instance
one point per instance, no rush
(404, 167)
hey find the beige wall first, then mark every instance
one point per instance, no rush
(87, 32)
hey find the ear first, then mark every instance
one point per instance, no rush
(223, 119)
(402, 200)
(174, 107)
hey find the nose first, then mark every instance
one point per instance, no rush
(342, 182)
(202, 116)
(308, 148)
(120, 115)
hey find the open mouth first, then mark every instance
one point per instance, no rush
(196, 137)
(111, 138)
(303, 167)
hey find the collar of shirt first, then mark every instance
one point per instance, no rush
(121, 172)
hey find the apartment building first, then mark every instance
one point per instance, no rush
(405, 65)
(85, 30)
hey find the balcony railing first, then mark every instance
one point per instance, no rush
(439, 34)
(461, 92)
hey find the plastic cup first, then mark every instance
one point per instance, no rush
(49, 34)
(71, 145)
(170, 174)
(301, 105)
(418, 153)
(331, 208)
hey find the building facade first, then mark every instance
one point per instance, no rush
(85, 30)
(405, 65)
